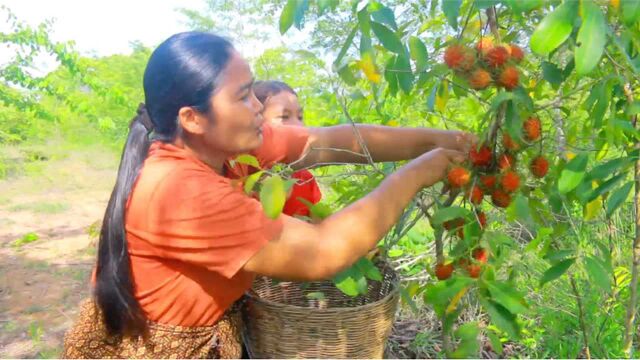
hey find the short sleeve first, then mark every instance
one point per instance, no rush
(199, 218)
(281, 144)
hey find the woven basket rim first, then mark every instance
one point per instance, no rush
(395, 284)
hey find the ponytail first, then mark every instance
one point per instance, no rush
(114, 290)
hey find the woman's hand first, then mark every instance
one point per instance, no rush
(437, 162)
(456, 140)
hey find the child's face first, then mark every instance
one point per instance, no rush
(283, 108)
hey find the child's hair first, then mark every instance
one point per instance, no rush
(264, 89)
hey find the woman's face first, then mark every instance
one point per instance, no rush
(283, 108)
(235, 124)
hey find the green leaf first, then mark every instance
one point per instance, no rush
(383, 14)
(324, 5)
(418, 53)
(348, 280)
(468, 346)
(391, 75)
(346, 74)
(603, 171)
(501, 317)
(591, 38)
(485, 4)
(513, 122)
(598, 274)
(442, 292)
(556, 271)
(523, 6)
(317, 295)
(618, 197)
(496, 344)
(405, 76)
(301, 8)
(542, 234)
(388, 38)
(451, 9)
(431, 100)
(345, 46)
(630, 10)
(364, 20)
(551, 73)
(519, 209)
(288, 15)
(554, 29)
(251, 180)
(573, 173)
(319, 210)
(505, 295)
(555, 256)
(273, 196)
(449, 213)
(499, 99)
(606, 186)
(365, 44)
(369, 270)
(248, 160)
(348, 285)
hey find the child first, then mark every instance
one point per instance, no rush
(281, 107)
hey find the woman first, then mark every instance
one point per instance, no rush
(180, 242)
(281, 107)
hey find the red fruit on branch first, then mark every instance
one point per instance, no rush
(509, 78)
(479, 79)
(510, 181)
(484, 46)
(539, 167)
(475, 195)
(500, 198)
(506, 161)
(497, 56)
(480, 157)
(516, 53)
(509, 143)
(482, 219)
(458, 177)
(474, 270)
(481, 255)
(459, 57)
(488, 182)
(532, 129)
(444, 271)
(453, 224)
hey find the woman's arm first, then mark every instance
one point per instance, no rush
(384, 143)
(306, 251)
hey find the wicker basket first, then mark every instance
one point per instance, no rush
(282, 322)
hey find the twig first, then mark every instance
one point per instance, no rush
(583, 326)
(633, 299)
(493, 22)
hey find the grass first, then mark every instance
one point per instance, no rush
(26, 239)
(42, 207)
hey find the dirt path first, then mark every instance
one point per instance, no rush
(49, 219)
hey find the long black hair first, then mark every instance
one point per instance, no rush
(184, 70)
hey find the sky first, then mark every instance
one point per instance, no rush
(106, 27)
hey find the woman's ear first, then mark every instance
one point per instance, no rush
(191, 120)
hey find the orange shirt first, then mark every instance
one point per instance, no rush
(190, 231)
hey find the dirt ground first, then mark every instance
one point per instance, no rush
(49, 216)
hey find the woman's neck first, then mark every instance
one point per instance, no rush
(213, 160)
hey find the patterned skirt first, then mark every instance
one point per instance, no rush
(88, 338)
